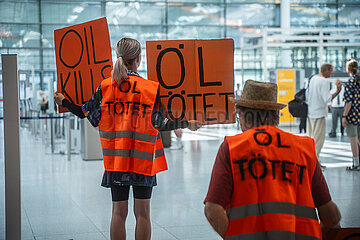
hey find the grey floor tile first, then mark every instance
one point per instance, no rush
(83, 236)
(177, 216)
(156, 234)
(193, 232)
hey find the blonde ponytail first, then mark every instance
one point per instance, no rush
(127, 50)
(120, 71)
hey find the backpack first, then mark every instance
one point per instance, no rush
(298, 106)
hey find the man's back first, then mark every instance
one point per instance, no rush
(319, 97)
(272, 172)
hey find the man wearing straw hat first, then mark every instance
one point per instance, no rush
(266, 183)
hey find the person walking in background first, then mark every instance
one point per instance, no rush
(44, 104)
(266, 183)
(127, 110)
(351, 115)
(318, 99)
(337, 110)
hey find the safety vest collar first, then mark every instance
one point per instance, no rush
(271, 207)
(272, 235)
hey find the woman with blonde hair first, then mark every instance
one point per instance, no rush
(127, 110)
(351, 115)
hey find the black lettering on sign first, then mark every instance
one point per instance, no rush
(158, 67)
(262, 117)
(251, 166)
(201, 72)
(194, 102)
(63, 91)
(207, 106)
(76, 90)
(183, 107)
(265, 140)
(93, 48)
(241, 167)
(226, 103)
(60, 48)
(102, 70)
(92, 81)
(273, 166)
(81, 88)
(279, 142)
(87, 47)
(284, 170)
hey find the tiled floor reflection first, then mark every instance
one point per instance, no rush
(64, 200)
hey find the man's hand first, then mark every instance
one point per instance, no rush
(338, 84)
(58, 97)
(194, 125)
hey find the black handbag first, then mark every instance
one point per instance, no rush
(298, 106)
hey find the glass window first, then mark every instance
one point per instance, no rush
(19, 35)
(251, 15)
(48, 34)
(313, 15)
(253, 1)
(28, 58)
(70, 12)
(349, 14)
(195, 1)
(140, 33)
(313, 1)
(19, 12)
(191, 32)
(49, 59)
(135, 13)
(191, 14)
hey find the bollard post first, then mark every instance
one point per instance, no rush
(11, 147)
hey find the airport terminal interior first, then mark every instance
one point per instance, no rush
(61, 163)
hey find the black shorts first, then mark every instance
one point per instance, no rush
(121, 193)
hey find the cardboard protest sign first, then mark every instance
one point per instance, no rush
(83, 59)
(196, 78)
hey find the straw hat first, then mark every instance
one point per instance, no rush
(259, 95)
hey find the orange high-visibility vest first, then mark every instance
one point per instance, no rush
(272, 174)
(129, 141)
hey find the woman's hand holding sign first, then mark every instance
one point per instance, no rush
(58, 97)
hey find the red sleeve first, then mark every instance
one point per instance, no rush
(221, 182)
(319, 188)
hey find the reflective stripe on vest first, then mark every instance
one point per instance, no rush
(128, 134)
(272, 174)
(272, 207)
(129, 141)
(272, 235)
